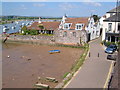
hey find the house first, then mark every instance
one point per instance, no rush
(111, 25)
(76, 30)
(93, 29)
(44, 27)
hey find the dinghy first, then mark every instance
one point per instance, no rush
(54, 51)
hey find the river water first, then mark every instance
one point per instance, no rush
(17, 25)
(14, 24)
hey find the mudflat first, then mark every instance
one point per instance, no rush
(24, 64)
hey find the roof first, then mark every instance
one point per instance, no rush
(114, 18)
(46, 25)
(75, 21)
(114, 10)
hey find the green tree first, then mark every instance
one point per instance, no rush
(95, 17)
(24, 28)
(41, 26)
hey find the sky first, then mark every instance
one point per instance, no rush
(56, 9)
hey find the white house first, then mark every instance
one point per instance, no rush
(82, 23)
(111, 25)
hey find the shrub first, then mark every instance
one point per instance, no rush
(34, 32)
(109, 43)
(24, 28)
(26, 32)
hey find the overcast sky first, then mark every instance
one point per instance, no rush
(56, 9)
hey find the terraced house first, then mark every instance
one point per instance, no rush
(69, 30)
(77, 30)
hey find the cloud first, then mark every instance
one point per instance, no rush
(96, 4)
(38, 5)
(66, 6)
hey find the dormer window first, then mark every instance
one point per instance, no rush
(67, 26)
(79, 26)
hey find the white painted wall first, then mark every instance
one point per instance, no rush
(105, 28)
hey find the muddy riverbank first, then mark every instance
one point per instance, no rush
(24, 64)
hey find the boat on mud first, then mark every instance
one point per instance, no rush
(54, 51)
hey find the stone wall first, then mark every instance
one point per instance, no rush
(70, 36)
(40, 39)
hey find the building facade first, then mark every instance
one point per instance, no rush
(77, 30)
(111, 25)
(44, 27)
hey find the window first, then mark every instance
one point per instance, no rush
(109, 26)
(74, 34)
(79, 26)
(65, 34)
(118, 26)
(33, 27)
(67, 25)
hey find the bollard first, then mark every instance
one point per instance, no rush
(98, 54)
(89, 54)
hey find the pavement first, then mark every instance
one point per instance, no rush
(95, 71)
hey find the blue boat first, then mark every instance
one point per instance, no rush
(54, 51)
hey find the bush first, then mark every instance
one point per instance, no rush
(26, 32)
(24, 28)
(34, 32)
(31, 32)
(109, 43)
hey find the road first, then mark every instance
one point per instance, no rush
(94, 72)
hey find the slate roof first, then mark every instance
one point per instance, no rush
(113, 18)
(114, 10)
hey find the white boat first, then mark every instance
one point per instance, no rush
(13, 27)
(23, 24)
(16, 22)
(27, 24)
(5, 29)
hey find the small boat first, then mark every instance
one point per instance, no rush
(16, 22)
(27, 24)
(5, 29)
(54, 51)
(23, 24)
(13, 27)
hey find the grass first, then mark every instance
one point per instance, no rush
(81, 60)
(78, 64)
(65, 74)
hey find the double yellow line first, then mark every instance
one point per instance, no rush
(108, 76)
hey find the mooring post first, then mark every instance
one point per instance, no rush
(98, 54)
(89, 54)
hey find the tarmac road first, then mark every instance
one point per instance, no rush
(94, 72)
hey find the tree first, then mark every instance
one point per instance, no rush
(24, 28)
(95, 17)
(41, 26)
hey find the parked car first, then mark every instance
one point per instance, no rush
(110, 49)
(112, 57)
